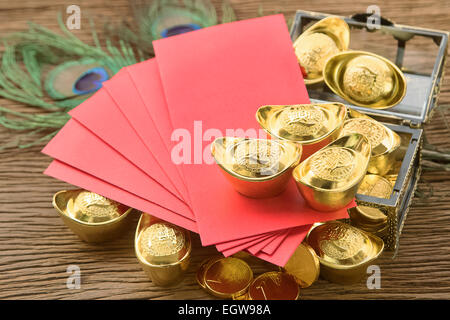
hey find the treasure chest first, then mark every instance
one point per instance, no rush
(420, 54)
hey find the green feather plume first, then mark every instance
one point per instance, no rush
(27, 55)
(38, 51)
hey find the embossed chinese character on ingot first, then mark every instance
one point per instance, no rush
(256, 167)
(319, 42)
(384, 141)
(344, 251)
(91, 216)
(162, 249)
(311, 125)
(329, 179)
(365, 79)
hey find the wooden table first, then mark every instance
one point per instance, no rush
(36, 248)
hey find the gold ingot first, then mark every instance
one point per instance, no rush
(228, 278)
(92, 217)
(311, 125)
(274, 286)
(303, 265)
(162, 249)
(256, 168)
(365, 79)
(315, 45)
(329, 179)
(384, 141)
(344, 251)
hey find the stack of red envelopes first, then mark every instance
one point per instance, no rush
(144, 138)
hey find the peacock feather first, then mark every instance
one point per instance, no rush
(73, 69)
(54, 72)
(164, 18)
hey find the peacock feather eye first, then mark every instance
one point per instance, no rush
(90, 81)
(75, 78)
(179, 29)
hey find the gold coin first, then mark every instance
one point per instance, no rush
(303, 265)
(375, 186)
(274, 286)
(200, 275)
(228, 277)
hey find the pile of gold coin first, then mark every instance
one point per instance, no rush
(368, 218)
(361, 78)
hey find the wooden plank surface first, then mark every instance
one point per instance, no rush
(36, 248)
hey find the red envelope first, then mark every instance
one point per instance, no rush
(64, 172)
(145, 76)
(271, 247)
(124, 93)
(223, 75)
(77, 146)
(101, 115)
(234, 243)
(281, 256)
(90, 154)
(229, 252)
(263, 244)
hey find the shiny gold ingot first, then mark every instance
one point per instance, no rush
(329, 179)
(384, 142)
(344, 251)
(365, 79)
(92, 217)
(311, 125)
(315, 45)
(228, 278)
(274, 286)
(256, 168)
(303, 265)
(163, 250)
(367, 218)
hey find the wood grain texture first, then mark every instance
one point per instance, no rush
(36, 248)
